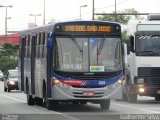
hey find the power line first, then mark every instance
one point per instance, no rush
(96, 9)
(113, 5)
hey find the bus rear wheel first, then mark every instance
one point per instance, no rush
(105, 104)
(39, 101)
(30, 99)
(48, 104)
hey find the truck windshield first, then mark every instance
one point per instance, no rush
(148, 45)
(87, 54)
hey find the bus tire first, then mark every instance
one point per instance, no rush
(39, 101)
(157, 98)
(30, 99)
(48, 104)
(44, 94)
(105, 104)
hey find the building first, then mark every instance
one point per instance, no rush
(10, 38)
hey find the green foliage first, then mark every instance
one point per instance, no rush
(124, 36)
(123, 19)
(8, 56)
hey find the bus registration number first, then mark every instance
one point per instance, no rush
(89, 93)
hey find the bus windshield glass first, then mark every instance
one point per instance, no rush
(148, 45)
(87, 54)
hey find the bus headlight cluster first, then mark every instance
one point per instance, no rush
(116, 84)
(65, 86)
(140, 80)
(60, 84)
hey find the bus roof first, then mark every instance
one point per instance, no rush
(51, 25)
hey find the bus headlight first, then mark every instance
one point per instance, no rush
(116, 84)
(120, 81)
(59, 83)
(65, 86)
(140, 80)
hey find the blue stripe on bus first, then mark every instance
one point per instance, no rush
(102, 82)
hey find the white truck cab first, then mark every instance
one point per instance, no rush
(143, 59)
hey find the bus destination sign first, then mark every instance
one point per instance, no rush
(86, 28)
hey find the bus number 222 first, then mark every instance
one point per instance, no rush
(102, 82)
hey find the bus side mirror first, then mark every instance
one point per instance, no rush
(49, 43)
(130, 44)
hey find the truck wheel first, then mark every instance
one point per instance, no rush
(30, 99)
(132, 98)
(105, 104)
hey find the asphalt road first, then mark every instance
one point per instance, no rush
(13, 106)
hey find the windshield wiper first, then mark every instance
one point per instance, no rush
(148, 53)
(101, 46)
(76, 43)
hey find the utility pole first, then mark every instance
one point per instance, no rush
(93, 11)
(35, 16)
(6, 17)
(80, 9)
(44, 12)
(115, 11)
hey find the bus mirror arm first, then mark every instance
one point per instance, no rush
(49, 43)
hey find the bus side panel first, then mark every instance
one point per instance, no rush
(21, 64)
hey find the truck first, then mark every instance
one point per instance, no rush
(142, 75)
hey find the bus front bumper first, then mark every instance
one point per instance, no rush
(60, 92)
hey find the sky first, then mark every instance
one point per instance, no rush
(61, 10)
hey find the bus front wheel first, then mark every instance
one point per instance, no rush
(105, 104)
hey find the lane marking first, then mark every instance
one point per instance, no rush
(71, 118)
(151, 108)
(13, 98)
(143, 109)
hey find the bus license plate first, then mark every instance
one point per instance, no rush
(88, 94)
(158, 91)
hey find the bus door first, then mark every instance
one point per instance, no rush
(33, 51)
(21, 63)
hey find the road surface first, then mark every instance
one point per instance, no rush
(13, 105)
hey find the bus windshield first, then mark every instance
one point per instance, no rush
(148, 45)
(87, 54)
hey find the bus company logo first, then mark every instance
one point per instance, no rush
(84, 83)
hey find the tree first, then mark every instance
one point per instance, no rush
(123, 19)
(8, 56)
